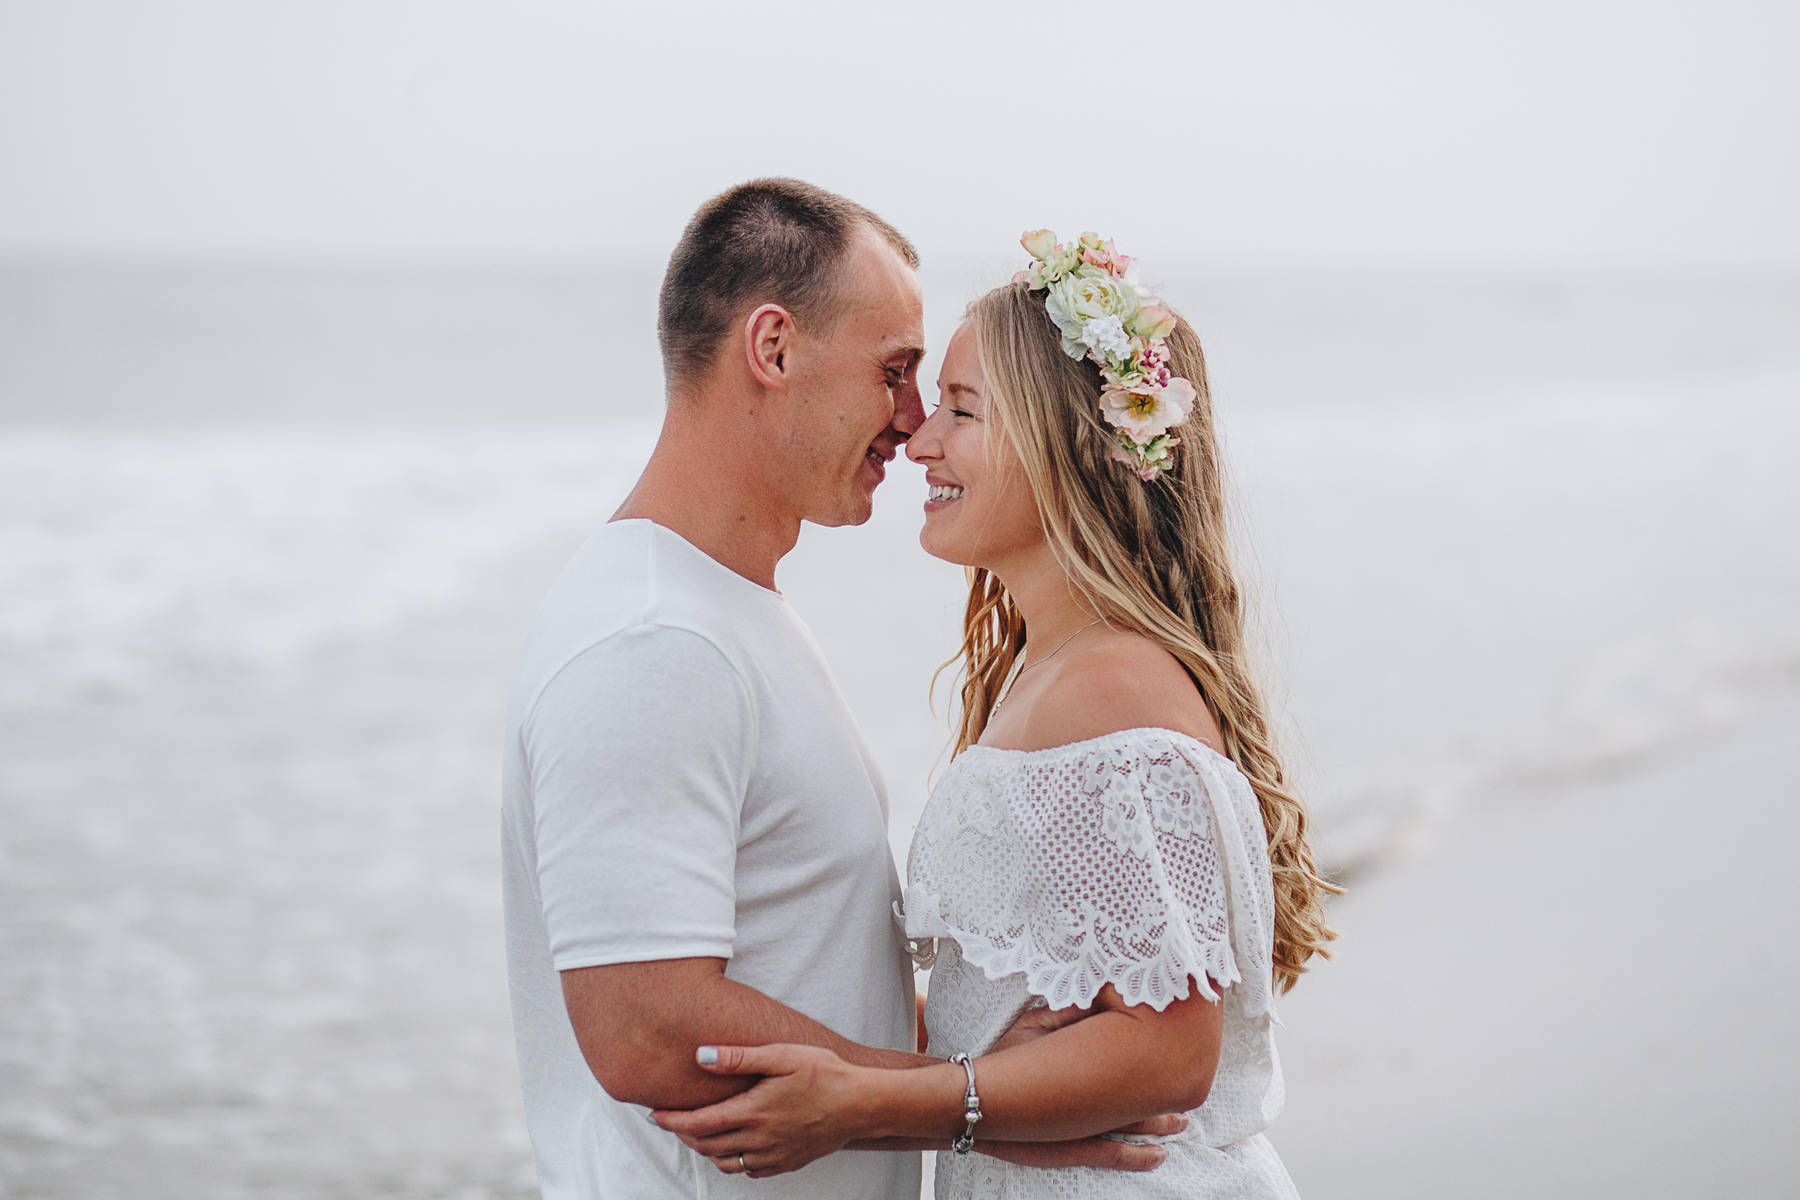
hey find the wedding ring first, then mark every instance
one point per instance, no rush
(742, 1166)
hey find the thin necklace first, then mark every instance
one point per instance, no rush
(1016, 675)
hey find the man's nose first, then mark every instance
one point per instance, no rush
(922, 445)
(909, 410)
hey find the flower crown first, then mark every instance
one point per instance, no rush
(1105, 317)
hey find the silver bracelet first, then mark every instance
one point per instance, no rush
(971, 1107)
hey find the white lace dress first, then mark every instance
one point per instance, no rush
(1137, 859)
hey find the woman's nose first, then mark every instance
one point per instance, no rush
(922, 445)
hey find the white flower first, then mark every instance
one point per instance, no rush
(1142, 413)
(1060, 261)
(1106, 335)
(1082, 296)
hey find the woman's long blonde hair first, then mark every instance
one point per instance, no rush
(1149, 557)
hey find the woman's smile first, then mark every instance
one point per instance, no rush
(940, 496)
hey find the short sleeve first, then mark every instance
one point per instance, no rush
(1116, 863)
(639, 751)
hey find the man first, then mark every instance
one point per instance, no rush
(694, 836)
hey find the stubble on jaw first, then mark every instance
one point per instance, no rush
(881, 330)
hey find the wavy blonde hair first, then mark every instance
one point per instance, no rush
(1149, 557)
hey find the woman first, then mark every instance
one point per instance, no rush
(1115, 831)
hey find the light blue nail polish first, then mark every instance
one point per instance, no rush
(707, 1056)
(650, 1117)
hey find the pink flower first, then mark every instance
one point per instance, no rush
(1039, 243)
(1179, 393)
(1142, 411)
(1104, 255)
(1149, 459)
(1152, 322)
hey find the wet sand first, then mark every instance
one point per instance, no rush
(253, 932)
(1588, 994)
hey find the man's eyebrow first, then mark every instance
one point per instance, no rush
(909, 354)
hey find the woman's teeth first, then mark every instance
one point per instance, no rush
(943, 492)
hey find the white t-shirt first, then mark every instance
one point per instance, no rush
(682, 778)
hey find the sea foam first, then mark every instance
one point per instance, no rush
(130, 554)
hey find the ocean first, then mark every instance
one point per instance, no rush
(270, 535)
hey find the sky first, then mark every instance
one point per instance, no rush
(1414, 132)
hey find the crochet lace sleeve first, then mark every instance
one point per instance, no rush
(1136, 860)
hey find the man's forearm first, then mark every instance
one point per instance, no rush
(639, 1027)
(810, 1032)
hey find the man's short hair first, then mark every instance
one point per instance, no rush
(777, 241)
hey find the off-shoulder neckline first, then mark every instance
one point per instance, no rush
(1084, 743)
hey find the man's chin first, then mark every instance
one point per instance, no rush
(853, 503)
(846, 516)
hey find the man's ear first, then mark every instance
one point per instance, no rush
(769, 334)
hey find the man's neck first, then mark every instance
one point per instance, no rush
(695, 486)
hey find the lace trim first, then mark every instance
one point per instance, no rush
(1068, 958)
(1135, 859)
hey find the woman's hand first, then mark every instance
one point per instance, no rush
(804, 1108)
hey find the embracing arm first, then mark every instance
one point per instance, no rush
(638, 1025)
(642, 1052)
(1124, 1064)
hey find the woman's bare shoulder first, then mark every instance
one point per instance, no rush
(1124, 681)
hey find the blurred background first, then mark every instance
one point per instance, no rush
(327, 333)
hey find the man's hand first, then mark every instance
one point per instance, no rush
(1103, 1152)
(1034, 1023)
